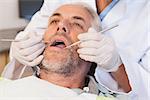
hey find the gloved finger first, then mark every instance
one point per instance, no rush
(87, 51)
(22, 36)
(35, 34)
(15, 50)
(89, 44)
(90, 36)
(96, 59)
(34, 62)
(35, 54)
(30, 42)
(31, 50)
(103, 59)
(24, 60)
(91, 29)
(88, 58)
(29, 58)
(106, 48)
(107, 40)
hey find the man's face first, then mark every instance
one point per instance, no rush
(64, 26)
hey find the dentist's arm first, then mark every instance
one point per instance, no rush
(122, 79)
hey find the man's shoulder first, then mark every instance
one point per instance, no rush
(20, 87)
(22, 82)
(19, 83)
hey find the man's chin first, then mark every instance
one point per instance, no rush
(56, 63)
(56, 56)
(56, 48)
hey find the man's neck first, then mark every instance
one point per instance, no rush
(74, 81)
(102, 4)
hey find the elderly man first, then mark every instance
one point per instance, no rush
(62, 74)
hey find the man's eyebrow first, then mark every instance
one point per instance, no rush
(79, 18)
(56, 14)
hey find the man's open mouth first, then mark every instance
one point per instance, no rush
(58, 43)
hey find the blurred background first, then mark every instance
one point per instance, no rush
(14, 16)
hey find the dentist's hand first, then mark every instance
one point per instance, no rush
(95, 47)
(28, 50)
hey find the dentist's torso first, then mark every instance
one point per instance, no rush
(131, 38)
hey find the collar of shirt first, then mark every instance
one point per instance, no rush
(92, 86)
(107, 9)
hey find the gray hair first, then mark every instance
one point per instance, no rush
(96, 23)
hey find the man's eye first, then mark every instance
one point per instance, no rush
(78, 25)
(54, 21)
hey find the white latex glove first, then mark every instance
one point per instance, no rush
(28, 50)
(95, 47)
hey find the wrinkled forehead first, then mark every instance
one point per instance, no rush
(70, 10)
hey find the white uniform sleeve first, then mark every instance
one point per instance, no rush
(106, 80)
(132, 39)
(144, 62)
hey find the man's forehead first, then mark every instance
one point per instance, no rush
(69, 7)
(71, 10)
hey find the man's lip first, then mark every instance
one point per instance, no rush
(58, 45)
(54, 48)
(59, 39)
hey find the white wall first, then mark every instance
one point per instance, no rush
(10, 23)
(9, 15)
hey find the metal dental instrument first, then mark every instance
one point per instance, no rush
(106, 29)
(76, 43)
(13, 40)
(8, 40)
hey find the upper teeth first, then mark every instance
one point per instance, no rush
(57, 43)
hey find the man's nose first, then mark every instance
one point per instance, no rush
(62, 28)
